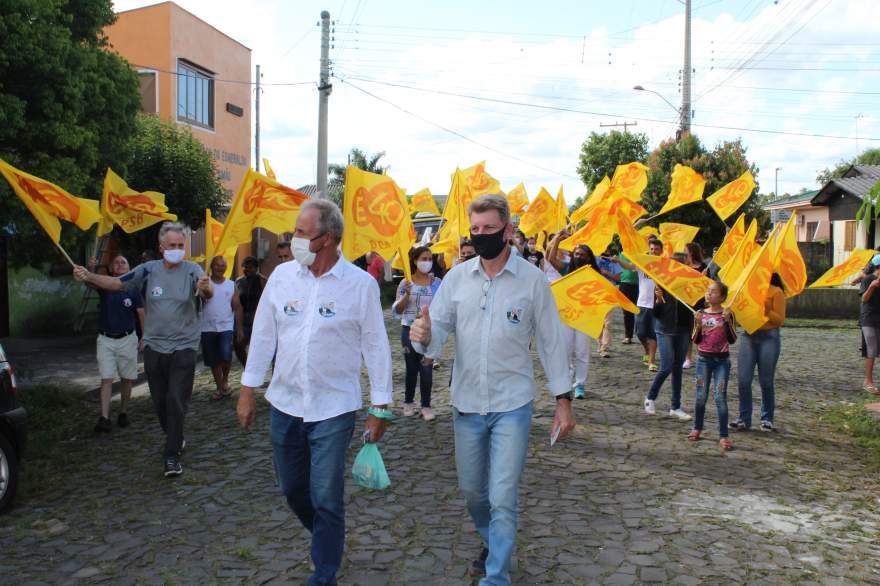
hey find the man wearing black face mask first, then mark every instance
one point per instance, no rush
(495, 304)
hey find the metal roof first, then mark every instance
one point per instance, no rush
(857, 181)
(789, 200)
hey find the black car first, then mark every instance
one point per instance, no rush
(13, 433)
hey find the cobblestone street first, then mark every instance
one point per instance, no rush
(627, 500)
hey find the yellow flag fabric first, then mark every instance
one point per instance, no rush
(517, 199)
(584, 297)
(630, 180)
(733, 268)
(687, 187)
(213, 232)
(48, 203)
(467, 184)
(376, 216)
(269, 172)
(676, 236)
(838, 275)
(261, 202)
(598, 194)
(729, 198)
(561, 211)
(648, 231)
(630, 240)
(129, 209)
(788, 261)
(540, 216)
(679, 280)
(423, 201)
(731, 241)
(749, 292)
(602, 224)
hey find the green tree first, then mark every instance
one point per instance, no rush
(721, 165)
(868, 157)
(602, 153)
(359, 159)
(67, 108)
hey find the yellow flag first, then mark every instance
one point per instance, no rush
(48, 203)
(131, 210)
(750, 289)
(676, 236)
(647, 231)
(261, 202)
(687, 187)
(376, 216)
(838, 275)
(540, 241)
(423, 201)
(598, 194)
(733, 268)
(729, 198)
(731, 241)
(788, 261)
(517, 199)
(561, 211)
(630, 240)
(602, 224)
(540, 216)
(681, 281)
(630, 180)
(213, 232)
(584, 297)
(467, 185)
(269, 172)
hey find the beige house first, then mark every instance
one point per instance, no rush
(812, 221)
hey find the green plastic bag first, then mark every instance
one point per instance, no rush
(369, 469)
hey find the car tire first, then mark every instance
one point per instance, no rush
(8, 473)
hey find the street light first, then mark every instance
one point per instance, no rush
(639, 88)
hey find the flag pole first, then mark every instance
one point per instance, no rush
(64, 252)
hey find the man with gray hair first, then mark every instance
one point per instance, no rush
(174, 290)
(318, 316)
(495, 304)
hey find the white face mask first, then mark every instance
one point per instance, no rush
(301, 251)
(424, 266)
(173, 256)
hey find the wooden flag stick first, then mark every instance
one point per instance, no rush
(64, 252)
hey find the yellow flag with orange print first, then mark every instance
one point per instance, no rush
(561, 211)
(541, 215)
(630, 180)
(729, 198)
(749, 291)
(630, 240)
(129, 209)
(679, 280)
(838, 274)
(376, 216)
(731, 241)
(584, 297)
(648, 231)
(467, 185)
(592, 201)
(213, 232)
(602, 224)
(788, 261)
(676, 236)
(732, 269)
(687, 187)
(423, 201)
(48, 203)
(517, 199)
(261, 202)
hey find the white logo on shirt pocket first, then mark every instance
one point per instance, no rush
(515, 315)
(327, 309)
(292, 308)
(156, 291)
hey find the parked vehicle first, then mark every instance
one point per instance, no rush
(13, 433)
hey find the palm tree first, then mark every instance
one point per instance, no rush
(357, 158)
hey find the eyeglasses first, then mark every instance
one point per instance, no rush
(486, 284)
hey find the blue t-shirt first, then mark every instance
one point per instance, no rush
(607, 265)
(118, 311)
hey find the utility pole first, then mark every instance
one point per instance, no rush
(776, 192)
(257, 131)
(324, 89)
(625, 124)
(686, 72)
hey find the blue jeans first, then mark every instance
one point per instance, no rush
(490, 454)
(310, 465)
(673, 349)
(712, 372)
(760, 349)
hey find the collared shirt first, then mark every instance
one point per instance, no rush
(118, 310)
(494, 321)
(317, 329)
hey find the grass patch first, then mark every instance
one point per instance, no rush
(854, 420)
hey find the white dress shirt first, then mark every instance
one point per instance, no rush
(317, 329)
(494, 321)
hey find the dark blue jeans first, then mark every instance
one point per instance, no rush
(416, 370)
(760, 349)
(310, 464)
(712, 372)
(673, 349)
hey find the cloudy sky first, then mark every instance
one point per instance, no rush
(521, 84)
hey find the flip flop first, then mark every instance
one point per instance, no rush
(871, 389)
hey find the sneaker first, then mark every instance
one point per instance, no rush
(172, 467)
(627, 341)
(604, 353)
(478, 566)
(687, 364)
(679, 414)
(103, 425)
(579, 392)
(649, 407)
(740, 425)
(409, 409)
(766, 425)
(122, 420)
(428, 414)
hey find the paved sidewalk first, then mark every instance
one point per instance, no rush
(627, 500)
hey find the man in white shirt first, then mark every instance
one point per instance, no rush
(317, 316)
(494, 304)
(218, 322)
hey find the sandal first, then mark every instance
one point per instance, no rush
(652, 367)
(872, 389)
(693, 436)
(725, 444)
(221, 394)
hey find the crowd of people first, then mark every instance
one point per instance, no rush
(315, 320)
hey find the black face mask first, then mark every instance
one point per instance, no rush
(489, 246)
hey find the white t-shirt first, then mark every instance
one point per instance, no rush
(646, 291)
(217, 314)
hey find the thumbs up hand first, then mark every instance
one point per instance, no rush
(420, 330)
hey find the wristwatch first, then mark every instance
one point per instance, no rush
(567, 395)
